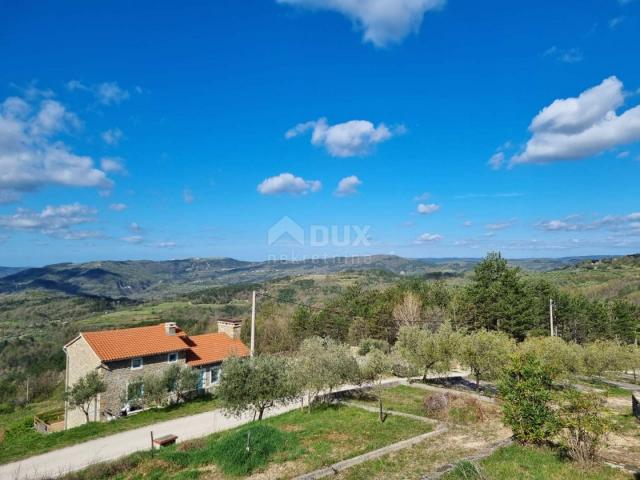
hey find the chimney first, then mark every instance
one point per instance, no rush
(170, 328)
(230, 327)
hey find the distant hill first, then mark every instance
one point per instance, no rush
(154, 279)
(6, 271)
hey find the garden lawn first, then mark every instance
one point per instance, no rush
(529, 463)
(296, 442)
(400, 399)
(21, 440)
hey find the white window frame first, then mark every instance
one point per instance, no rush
(211, 369)
(141, 363)
(172, 354)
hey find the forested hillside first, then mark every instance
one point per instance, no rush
(349, 305)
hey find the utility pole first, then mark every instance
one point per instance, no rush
(551, 316)
(253, 323)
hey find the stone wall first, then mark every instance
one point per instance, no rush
(81, 360)
(118, 375)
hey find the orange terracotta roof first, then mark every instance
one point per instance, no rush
(212, 348)
(126, 343)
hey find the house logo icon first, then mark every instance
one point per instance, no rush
(285, 232)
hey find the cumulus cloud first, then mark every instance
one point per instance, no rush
(112, 136)
(427, 208)
(383, 22)
(288, 183)
(133, 239)
(494, 227)
(348, 139)
(496, 160)
(165, 244)
(107, 93)
(579, 127)
(52, 220)
(574, 223)
(32, 155)
(187, 196)
(113, 165)
(348, 186)
(429, 237)
(118, 207)
(568, 55)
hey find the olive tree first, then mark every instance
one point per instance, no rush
(485, 353)
(85, 391)
(181, 380)
(428, 351)
(602, 356)
(255, 384)
(560, 357)
(376, 365)
(324, 364)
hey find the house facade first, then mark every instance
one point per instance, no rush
(122, 357)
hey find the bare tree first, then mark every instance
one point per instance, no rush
(409, 311)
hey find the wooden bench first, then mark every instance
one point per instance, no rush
(166, 440)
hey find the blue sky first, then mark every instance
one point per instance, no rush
(425, 128)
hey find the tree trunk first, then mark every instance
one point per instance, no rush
(381, 412)
(261, 413)
(477, 382)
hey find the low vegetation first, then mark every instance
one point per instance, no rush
(529, 463)
(290, 444)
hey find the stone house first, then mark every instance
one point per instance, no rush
(123, 356)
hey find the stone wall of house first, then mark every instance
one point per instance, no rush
(118, 375)
(81, 360)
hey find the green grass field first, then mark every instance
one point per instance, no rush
(21, 440)
(290, 444)
(529, 463)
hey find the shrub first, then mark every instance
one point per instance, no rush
(526, 388)
(241, 452)
(455, 408)
(467, 470)
(368, 344)
(583, 426)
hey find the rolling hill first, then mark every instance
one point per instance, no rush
(145, 279)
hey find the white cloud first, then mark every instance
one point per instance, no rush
(165, 244)
(575, 128)
(110, 93)
(348, 186)
(187, 196)
(134, 239)
(624, 154)
(112, 136)
(569, 55)
(348, 139)
(31, 154)
(288, 183)
(113, 165)
(134, 227)
(573, 223)
(118, 207)
(493, 227)
(422, 197)
(429, 237)
(467, 224)
(427, 208)
(615, 21)
(383, 22)
(107, 93)
(496, 160)
(52, 220)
